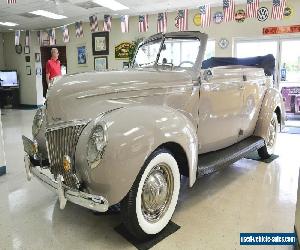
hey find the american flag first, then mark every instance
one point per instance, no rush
(252, 8)
(66, 36)
(52, 38)
(27, 37)
(181, 21)
(162, 22)
(143, 23)
(94, 23)
(278, 9)
(229, 10)
(78, 29)
(124, 24)
(205, 13)
(11, 1)
(107, 23)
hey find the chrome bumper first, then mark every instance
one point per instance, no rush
(65, 193)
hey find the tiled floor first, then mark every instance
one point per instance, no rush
(249, 196)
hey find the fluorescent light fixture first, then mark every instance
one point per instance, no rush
(10, 24)
(47, 14)
(111, 4)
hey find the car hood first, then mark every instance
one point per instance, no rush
(86, 95)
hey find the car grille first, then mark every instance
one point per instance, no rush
(60, 142)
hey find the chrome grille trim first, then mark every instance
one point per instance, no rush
(62, 140)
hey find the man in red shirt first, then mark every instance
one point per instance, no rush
(53, 67)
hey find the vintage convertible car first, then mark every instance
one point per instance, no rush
(105, 138)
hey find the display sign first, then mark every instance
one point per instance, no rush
(281, 30)
(291, 98)
(122, 50)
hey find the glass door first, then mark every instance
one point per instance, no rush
(290, 79)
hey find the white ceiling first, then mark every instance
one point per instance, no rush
(70, 8)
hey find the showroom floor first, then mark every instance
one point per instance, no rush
(249, 196)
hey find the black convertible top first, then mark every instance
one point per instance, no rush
(266, 62)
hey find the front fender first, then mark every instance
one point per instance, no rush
(272, 101)
(133, 134)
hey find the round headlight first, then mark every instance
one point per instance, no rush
(96, 145)
(37, 121)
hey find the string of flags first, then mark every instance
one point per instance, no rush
(253, 10)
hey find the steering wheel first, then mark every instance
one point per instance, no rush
(186, 62)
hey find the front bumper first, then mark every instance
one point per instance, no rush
(65, 193)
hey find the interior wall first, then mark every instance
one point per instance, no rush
(2, 62)
(31, 94)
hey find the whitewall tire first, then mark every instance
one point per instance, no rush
(266, 151)
(149, 205)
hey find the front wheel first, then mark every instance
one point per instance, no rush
(151, 201)
(266, 151)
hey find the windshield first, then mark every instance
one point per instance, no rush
(175, 52)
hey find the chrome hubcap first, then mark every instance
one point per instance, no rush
(272, 134)
(157, 192)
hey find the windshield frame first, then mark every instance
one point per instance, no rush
(196, 35)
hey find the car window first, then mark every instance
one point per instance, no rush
(147, 54)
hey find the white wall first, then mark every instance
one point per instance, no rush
(250, 28)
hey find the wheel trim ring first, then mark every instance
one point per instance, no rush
(155, 215)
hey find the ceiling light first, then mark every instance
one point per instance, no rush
(111, 4)
(47, 14)
(9, 24)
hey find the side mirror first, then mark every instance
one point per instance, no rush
(207, 75)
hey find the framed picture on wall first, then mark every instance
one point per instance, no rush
(26, 50)
(28, 70)
(37, 57)
(100, 43)
(81, 55)
(100, 63)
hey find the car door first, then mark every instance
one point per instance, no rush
(255, 86)
(220, 106)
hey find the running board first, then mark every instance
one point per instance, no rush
(213, 161)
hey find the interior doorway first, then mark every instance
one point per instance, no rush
(45, 56)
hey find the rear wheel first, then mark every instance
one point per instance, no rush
(266, 151)
(150, 203)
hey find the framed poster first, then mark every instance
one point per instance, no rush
(37, 57)
(28, 70)
(26, 50)
(122, 50)
(81, 55)
(100, 63)
(100, 43)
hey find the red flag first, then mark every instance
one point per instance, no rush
(252, 8)
(229, 10)
(278, 9)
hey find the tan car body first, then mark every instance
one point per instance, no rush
(144, 109)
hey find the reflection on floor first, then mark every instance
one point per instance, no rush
(249, 196)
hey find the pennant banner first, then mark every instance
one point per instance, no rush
(124, 24)
(181, 21)
(17, 37)
(205, 13)
(162, 22)
(229, 10)
(281, 30)
(278, 9)
(107, 23)
(94, 23)
(252, 8)
(27, 37)
(78, 29)
(143, 23)
(66, 37)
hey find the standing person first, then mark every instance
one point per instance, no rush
(53, 68)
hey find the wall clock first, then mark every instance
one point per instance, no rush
(18, 49)
(223, 43)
